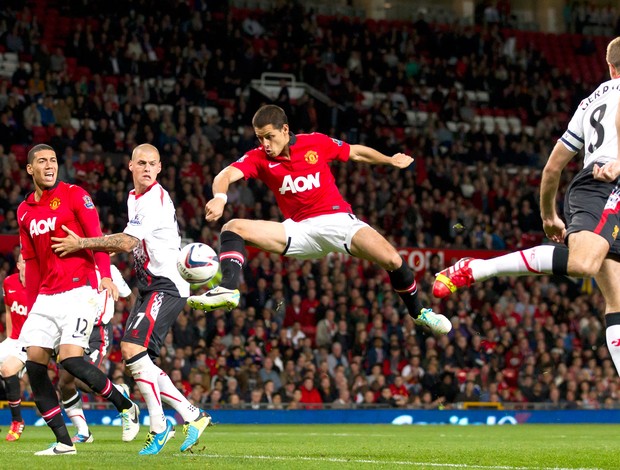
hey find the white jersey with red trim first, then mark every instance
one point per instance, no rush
(152, 220)
(593, 125)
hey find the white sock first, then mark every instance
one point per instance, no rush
(145, 374)
(612, 334)
(75, 412)
(173, 397)
(535, 261)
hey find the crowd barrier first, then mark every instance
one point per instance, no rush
(377, 416)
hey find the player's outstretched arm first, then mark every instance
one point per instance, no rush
(363, 154)
(118, 242)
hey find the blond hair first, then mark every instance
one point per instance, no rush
(613, 53)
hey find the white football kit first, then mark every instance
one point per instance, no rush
(594, 122)
(152, 220)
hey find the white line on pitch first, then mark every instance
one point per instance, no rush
(379, 462)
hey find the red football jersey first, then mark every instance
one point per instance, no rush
(304, 186)
(69, 205)
(15, 298)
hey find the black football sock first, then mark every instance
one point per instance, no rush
(232, 258)
(47, 401)
(559, 260)
(403, 282)
(96, 380)
(13, 396)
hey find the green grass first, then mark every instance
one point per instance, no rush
(338, 446)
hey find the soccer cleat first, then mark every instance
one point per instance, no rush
(82, 439)
(156, 442)
(453, 278)
(194, 430)
(58, 448)
(435, 321)
(218, 297)
(15, 432)
(131, 423)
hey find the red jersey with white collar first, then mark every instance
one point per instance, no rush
(16, 299)
(69, 205)
(304, 186)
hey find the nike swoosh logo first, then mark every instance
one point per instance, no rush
(273, 165)
(21, 219)
(163, 440)
(11, 291)
(56, 451)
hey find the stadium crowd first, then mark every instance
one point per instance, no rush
(309, 334)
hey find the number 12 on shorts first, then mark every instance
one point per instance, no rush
(80, 328)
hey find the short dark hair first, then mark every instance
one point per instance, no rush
(37, 148)
(269, 114)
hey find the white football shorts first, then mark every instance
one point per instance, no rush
(317, 236)
(65, 318)
(12, 347)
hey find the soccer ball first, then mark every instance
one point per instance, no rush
(197, 263)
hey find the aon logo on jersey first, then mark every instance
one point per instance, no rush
(39, 227)
(18, 308)
(300, 184)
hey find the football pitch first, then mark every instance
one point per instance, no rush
(338, 446)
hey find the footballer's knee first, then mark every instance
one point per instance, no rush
(583, 266)
(392, 262)
(237, 226)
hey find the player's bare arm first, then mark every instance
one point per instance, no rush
(118, 242)
(363, 154)
(9, 322)
(554, 226)
(215, 207)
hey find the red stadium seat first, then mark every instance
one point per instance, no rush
(20, 152)
(39, 134)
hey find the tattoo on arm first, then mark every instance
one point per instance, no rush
(116, 243)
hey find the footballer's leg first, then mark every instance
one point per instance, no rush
(369, 244)
(607, 279)
(72, 403)
(267, 235)
(10, 370)
(195, 420)
(83, 304)
(147, 328)
(47, 401)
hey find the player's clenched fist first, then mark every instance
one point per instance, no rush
(401, 160)
(214, 209)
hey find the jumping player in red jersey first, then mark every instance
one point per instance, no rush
(318, 219)
(63, 294)
(12, 352)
